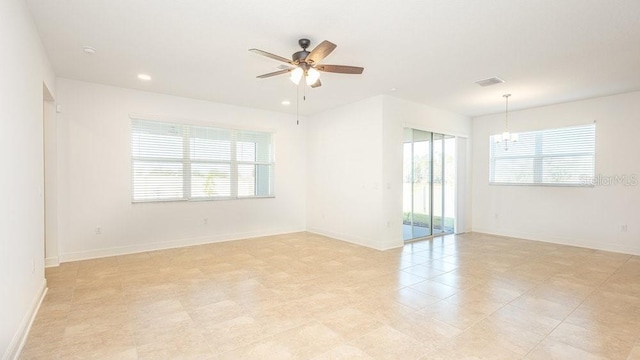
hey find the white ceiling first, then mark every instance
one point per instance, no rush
(431, 51)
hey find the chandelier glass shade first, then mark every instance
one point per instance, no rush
(506, 138)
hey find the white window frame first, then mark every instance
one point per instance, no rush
(538, 156)
(187, 162)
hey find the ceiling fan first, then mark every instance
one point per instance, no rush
(305, 63)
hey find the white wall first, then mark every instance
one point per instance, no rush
(582, 216)
(354, 164)
(423, 117)
(23, 70)
(344, 172)
(463, 185)
(51, 182)
(95, 175)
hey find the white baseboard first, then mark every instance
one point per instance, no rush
(125, 250)
(51, 262)
(590, 244)
(351, 239)
(20, 337)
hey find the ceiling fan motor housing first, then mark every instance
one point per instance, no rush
(300, 56)
(304, 43)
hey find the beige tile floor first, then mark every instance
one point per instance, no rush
(305, 296)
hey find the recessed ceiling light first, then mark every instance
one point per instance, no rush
(286, 102)
(144, 77)
(393, 89)
(89, 50)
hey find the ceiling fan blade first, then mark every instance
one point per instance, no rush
(320, 52)
(342, 69)
(280, 72)
(270, 55)
(316, 84)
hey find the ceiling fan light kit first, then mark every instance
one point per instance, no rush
(296, 75)
(306, 64)
(312, 76)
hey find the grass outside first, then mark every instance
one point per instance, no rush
(424, 219)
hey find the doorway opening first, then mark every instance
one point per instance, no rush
(429, 184)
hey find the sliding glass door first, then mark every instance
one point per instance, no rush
(438, 195)
(428, 184)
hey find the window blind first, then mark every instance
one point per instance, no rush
(563, 156)
(187, 162)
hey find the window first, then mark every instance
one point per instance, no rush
(186, 162)
(564, 156)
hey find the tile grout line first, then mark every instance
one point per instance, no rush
(568, 315)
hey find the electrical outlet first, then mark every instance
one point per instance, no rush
(623, 228)
(205, 221)
(98, 230)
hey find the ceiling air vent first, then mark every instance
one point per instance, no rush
(490, 81)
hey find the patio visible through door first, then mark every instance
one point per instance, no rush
(429, 178)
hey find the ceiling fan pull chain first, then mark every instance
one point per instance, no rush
(297, 105)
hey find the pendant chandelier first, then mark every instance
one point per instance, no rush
(506, 138)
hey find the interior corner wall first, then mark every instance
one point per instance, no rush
(24, 68)
(354, 162)
(51, 183)
(94, 136)
(590, 217)
(344, 172)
